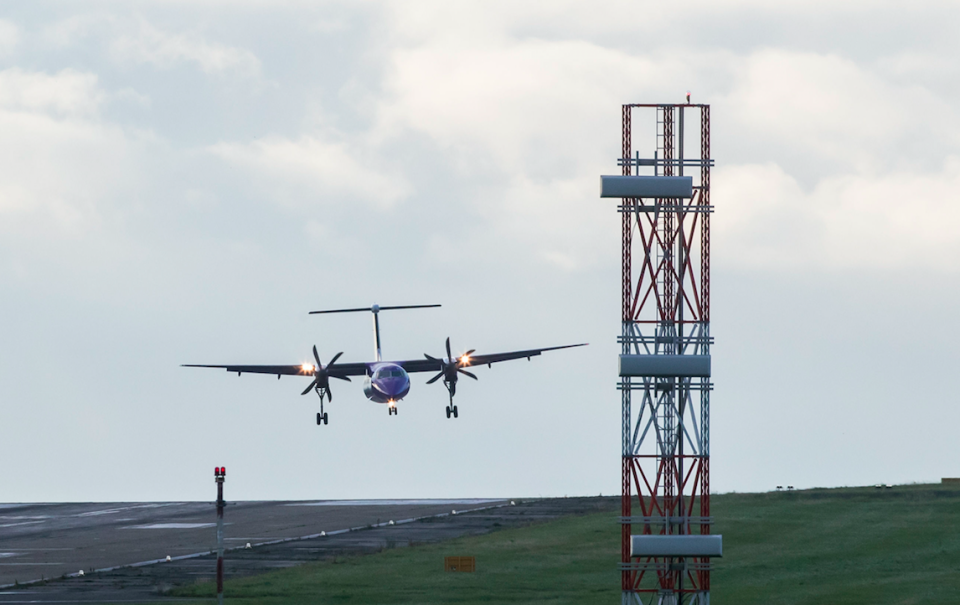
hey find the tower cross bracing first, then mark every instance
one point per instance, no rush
(665, 379)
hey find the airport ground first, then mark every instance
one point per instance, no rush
(123, 547)
(839, 546)
(899, 545)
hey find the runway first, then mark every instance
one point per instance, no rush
(82, 524)
(42, 541)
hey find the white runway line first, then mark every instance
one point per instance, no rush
(96, 513)
(21, 523)
(394, 502)
(172, 526)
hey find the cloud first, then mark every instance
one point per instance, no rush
(318, 170)
(9, 37)
(537, 114)
(67, 92)
(832, 107)
(521, 102)
(883, 221)
(165, 50)
(71, 30)
(57, 159)
(532, 122)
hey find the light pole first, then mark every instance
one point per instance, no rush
(219, 473)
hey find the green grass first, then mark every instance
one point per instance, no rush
(863, 545)
(835, 546)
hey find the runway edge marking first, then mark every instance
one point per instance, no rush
(267, 543)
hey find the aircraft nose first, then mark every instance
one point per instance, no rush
(395, 386)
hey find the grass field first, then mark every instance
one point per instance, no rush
(836, 546)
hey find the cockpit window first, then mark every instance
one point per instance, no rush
(389, 373)
(397, 373)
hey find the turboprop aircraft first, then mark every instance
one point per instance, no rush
(385, 382)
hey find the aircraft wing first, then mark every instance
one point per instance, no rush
(339, 369)
(360, 369)
(429, 365)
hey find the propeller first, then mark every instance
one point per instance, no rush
(321, 375)
(450, 367)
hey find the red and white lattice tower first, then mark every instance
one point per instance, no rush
(665, 359)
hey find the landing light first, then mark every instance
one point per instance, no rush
(392, 403)
(307, 367)
(464, 359)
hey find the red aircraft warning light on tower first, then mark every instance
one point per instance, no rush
(666, 541)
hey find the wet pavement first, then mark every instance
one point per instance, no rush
(122, 548)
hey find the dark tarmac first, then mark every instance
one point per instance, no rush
(122, 548)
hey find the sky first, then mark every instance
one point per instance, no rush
(181, 182)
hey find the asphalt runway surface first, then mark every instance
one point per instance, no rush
(122, 548)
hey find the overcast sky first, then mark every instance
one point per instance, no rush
(182, 182)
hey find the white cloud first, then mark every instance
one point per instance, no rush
(891, 220)
(559, 218)
(71, 30)
(831, 106)
(535, 120)
(325, 171)
(650, 23)
(164, 50)
(544, 114)
(9, 37)
(57, 159)
(523, 102)
(67, 92)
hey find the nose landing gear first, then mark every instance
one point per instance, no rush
(391, 408)
(452, 409)
(321, 418)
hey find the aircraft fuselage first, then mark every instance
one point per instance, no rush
(386, 383)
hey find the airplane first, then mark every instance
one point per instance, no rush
(385, 382)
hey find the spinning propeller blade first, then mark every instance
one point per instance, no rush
(309, 388)
(450, 367)
(321, 375)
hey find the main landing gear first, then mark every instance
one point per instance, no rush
(452, 409)
(321, 381)
(321, 415)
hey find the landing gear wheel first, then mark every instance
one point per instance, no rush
(455, 412)
(448, 411)
(319, 419)
(324, 417)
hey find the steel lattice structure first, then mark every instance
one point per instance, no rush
(666, 311)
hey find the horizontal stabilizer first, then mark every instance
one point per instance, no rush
(375, 309)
